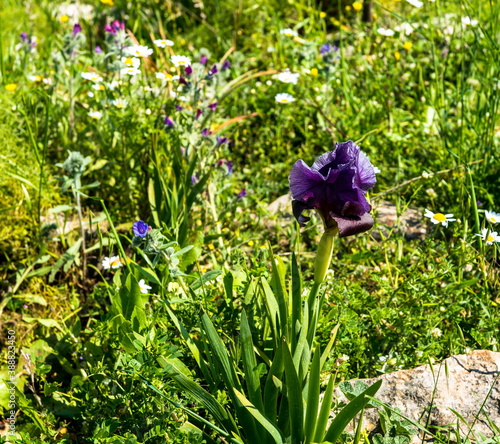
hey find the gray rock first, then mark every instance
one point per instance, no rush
(467, 384)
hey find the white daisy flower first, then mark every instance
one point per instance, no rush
(492, 218)
(131, 62)
(95, 114)
(385, 32)
(120, 103)
(35, 78)
(163, 76)
(138, 51)
(180, 60)
(163, 43)
(92, 76)
(111, 262)
(467, 21)
(284, 98)
(144, 287)
(416, 3)
(130, 71)
(98, 87)
(405, 28)
(439, 218)
(289, 32)
(287, 77)
(489, 236)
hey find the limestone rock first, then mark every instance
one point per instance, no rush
(468, 384)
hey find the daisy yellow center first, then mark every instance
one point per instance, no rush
(128, 61)
(114, 262)
(284, 100)
(440, 217)
(490, 238)
(181, 62)
(493, 219)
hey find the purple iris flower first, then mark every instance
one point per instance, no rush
(205, 132)
(169, 121)
(242, 193)
(225, 65)
(98, 49)
(77, 28)
(221, 140)
(213, 106)
(203, 60)
(335, 186)
(199, 112)
(188, 70)
(140, 228)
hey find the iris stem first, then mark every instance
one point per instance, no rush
(324, 255)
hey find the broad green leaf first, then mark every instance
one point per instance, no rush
(294, 395)
(250, 364)
(130, 297)
(296, 302)
(324, 413)
(261, 419)
(349, 412)
(271, 390)
(312, 398)
(272, 307)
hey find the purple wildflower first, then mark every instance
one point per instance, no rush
(183, 81)
(479, 203)
(225, 65)
(213, 71)
(199, 112)
(178, 108)
(188, 70)
(213, 106)
(169, 121)
(77, 28)
(227, 163)
(221, 140)
(203, 60)
(109, 29)
(140, 228)
(194, 178)
(24, 36)
(205, 132)
(335, 186)
(242, 193)
(98, 49)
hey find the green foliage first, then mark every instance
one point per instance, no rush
(210, 329)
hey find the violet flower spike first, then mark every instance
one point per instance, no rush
(140, 228)
(226, 65)
(242, 193)
(221, 140)
(24, 36)
(335, 186)
(169, 121)
(205, 132)
(199, 112)
(213, 106)
(188, 70)
(213, 71)
(77, 28)
(98, 49)
(178, 108)
(203, 60)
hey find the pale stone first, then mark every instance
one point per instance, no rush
(468, 384)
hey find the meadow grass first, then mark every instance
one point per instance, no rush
(140, 351)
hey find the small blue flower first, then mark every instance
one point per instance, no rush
(141, 228)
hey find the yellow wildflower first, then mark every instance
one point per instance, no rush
(348, 8)
(11, 87)
(357, 6)
(251, 243)
(63, 18)
(108, 2)
(397, 56)
(322, 14)
(408, 45)
(314, 72)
